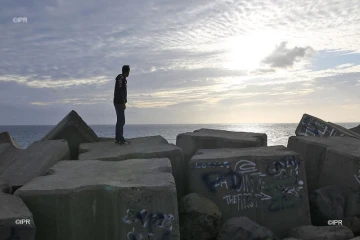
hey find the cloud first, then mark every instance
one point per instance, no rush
(69, 53)
(283, 57)
(261, 71)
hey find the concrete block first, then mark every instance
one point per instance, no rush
(210, 138)
(35, 161)
(332, 161)
(5, 137)
(74, 130)
(9, 149)
(355, 129)
(8, 154)
(16, 221)
(5, 186)
(313, 126)
(90, 200)
(323, 233)
(143, 147)
(266, 184)
(106, 139)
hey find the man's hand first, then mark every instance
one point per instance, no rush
(123, 106)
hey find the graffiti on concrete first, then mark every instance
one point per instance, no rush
(286, 185)
(134, 235)
(246, 186)
(286, 175)
(279, 167)
(212, 165)
(312, 127)
(244, 180)
(281, 201)
(151, 221)
(246, 200)
(228, 179)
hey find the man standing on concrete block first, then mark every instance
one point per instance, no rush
(120, 100)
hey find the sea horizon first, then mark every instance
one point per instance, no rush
(277, 133)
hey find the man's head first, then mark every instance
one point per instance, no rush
(126, 70)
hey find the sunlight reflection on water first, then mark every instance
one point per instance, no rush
(278, 133)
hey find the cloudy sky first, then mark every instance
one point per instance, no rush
(192, 61)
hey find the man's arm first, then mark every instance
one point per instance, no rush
(119, 82)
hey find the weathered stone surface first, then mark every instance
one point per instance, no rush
(81, 200)
(4, 186)
(326, 203)
(74, 130)
(210, 138)
(324, 233)
(106, 139)
(35, 161)
(355, 129)
(312, 126)
(199, 218)
(143, 147)
(353, 223)
(332, 161)
(12, 208)
(292, 239)
(357, 238)
(9, 149)
(242, 228)
(266, 184)
(8, 154)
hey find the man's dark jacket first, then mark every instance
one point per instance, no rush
(120, 91)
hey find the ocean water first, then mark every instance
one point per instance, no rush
(278, 133)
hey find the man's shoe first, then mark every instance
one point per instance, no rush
(120, 142)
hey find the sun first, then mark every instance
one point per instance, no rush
(247, 51)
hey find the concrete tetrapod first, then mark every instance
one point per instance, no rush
(35, 161)
(74, 130)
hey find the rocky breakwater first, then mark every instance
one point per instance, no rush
(230, 185)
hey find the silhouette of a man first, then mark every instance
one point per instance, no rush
(120, 100)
